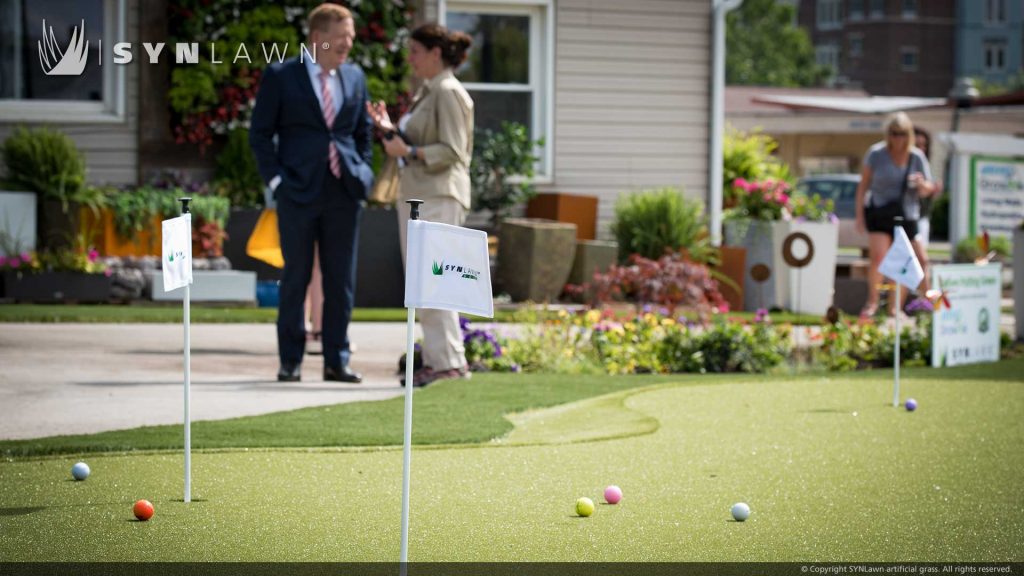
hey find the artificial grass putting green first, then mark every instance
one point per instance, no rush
(831, 470)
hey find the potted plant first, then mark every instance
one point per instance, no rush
(502, 169)
(69, 274)
(48, 163)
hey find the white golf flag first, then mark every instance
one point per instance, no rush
(900, 262)
(447, 267)
(177, 252)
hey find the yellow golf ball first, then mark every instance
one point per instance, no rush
(584, 506)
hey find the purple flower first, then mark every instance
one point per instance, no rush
(761, 315)
(647, 308)
(464, 323)
(14, 262)
(833, 218)
(919, 305)
(514, 367)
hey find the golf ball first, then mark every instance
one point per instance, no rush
(80, 471)
(740, 511)
(911, 405)
(584, 506)
(612, 494)
(143, 510)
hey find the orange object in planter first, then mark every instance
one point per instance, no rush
(572, 208)
(109, 243)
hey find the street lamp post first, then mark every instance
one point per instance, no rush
(962, 95)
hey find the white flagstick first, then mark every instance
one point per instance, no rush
(414, 214)
(188, 379)
(896, 352)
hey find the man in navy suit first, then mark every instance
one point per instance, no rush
(318, 175)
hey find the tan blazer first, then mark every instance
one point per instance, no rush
(441, 124)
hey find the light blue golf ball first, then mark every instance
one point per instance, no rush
(80, 471)
(740, 511)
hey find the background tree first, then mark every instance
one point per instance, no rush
(765, 48)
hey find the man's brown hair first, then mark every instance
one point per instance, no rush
(326, 14)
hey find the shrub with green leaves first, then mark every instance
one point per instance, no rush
(969, 249)
(653, 222)
(237, 177)
(48, 163)
(502, 169)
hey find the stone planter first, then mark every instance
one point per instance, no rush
(535, 258)
(808, 289)
(1018, 283)
(57, 287)
(17, 222)
(592, 256)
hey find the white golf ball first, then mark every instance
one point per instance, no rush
(740, 511)
(80, 471)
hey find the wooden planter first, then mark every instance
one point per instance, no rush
(569, 208)
(57, 287)
(733, 267)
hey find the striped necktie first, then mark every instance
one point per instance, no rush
(328, 109)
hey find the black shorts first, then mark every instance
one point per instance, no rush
(885, 225)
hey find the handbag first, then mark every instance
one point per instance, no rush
(265, 241)
(889, 212)
(385, 187)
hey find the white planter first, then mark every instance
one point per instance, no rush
(809, 289)
(17, 221)
(207, 286)
(1018, 283)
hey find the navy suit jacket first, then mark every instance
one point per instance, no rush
(287, 107)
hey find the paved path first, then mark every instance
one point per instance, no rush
(81, 378)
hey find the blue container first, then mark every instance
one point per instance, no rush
(268, 293)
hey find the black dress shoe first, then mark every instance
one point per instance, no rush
(343, 374)
(289, 373)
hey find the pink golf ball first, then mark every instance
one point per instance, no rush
(612, 494)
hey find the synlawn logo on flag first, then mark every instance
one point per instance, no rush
(459, 265)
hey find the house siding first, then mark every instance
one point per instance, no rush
(631, 98)
(110, 149)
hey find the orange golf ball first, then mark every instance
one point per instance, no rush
(143, 510)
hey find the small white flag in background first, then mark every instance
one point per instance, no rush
(900, 263)
(177, 252)
(448, 268)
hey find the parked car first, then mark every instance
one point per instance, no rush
(841, 189)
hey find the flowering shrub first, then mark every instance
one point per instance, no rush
(812, 209)
(18, 263)
(864, 344)
(67, 259)
(773, 200)
(484, 350)
(670, 281)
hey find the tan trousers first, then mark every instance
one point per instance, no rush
(442, 336)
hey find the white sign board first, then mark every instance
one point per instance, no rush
(968, 331)
(997, 195)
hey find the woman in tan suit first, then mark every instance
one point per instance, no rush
(434, 144)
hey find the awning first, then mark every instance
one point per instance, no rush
(869, 105)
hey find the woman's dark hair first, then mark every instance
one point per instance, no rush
(453, 44)
(927, 148)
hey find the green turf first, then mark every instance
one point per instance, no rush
(831, 471)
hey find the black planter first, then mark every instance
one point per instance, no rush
(239, 227)
(57, 287)
(57, 229)
(380, 276)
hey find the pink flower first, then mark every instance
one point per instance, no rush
(723, 308)
(93, 254)
(14, 262)
(783, 198)
(26, 256)
(108, 272)
(741, 183)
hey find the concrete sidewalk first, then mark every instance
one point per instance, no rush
(83, 378)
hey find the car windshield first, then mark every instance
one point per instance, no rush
(843, 193)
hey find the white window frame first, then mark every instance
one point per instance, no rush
(856, 15)
(875, 14)
(906, 50)
(110, 110)
(542, 68)
(911, 13)
(829, 15)
(991, 49)
(859, 39)
(995, 12)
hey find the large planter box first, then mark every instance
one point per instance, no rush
(207, 286)
(1018, 281)
(109, 243)
(592, 257)
(380, 276)
(17, 222)
(732, 266)
(535, 258)
(808, 289)
(57, 287)
(571, 208)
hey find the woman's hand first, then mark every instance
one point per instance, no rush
(379, 114)
(396, 147)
